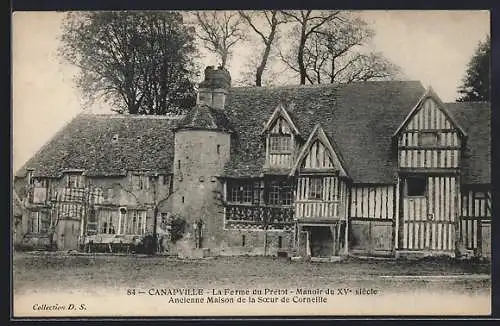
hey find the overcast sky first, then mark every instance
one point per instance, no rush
(431, 46)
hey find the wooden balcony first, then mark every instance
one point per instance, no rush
(259, 217)
(80, 195)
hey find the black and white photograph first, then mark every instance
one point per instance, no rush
(225, 163)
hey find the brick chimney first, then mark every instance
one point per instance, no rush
(214, 89)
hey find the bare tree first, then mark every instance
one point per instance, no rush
(267, 33)
(220, 31)
(308, 22)
(335, 53)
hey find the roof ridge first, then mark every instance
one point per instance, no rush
(466, 102)
(132, 116)
(325, 85)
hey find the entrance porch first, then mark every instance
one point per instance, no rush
(320, 240)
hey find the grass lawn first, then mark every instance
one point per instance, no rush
(34, 272)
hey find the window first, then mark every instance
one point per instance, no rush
(108, 222)
(29, 177)
(166, 180)
(75, 181)
(241, 192)
(280, 193)
(179, 164)
(70, 210)
(428, 139)
(416, 186)
(40, 182)
(40, 190)
(280, 144)
(92, 222)
(165, 221)
(39, 222)
(140, 181)
(120, 222)
(135, 222)
(315, 188)
(244, 191)
(479, 195)
(218, 149)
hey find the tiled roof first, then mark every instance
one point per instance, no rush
(107, 145)
(206, 118)
(359, 118)
(475, 119)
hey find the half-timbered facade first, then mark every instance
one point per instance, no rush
(429, 147)
(370, 168)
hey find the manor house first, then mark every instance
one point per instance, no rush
(371, 168)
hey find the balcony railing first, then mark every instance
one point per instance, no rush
(81, 195)
(262, 217)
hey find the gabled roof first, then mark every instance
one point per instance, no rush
(319, 133)
(475, 117)
(204, 117)
(107, 145)
(430, 93)
(360, 117)
(280, 112)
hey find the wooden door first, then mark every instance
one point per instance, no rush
(428, 213)
(68, 232)
(416, 225)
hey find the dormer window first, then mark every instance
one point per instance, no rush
(139, 181)
(280, 144)
(41, 182)
(115, 138)
(29, 177)
(281, 135)
(74, 180)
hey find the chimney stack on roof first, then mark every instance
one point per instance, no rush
(214, 89)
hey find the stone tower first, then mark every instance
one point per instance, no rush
(202, 147)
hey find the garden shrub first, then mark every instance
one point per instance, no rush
(147, 245)
(177, 228)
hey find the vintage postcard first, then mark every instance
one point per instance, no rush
(251, 163)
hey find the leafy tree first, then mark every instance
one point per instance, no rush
(139, 62)
(476, 83)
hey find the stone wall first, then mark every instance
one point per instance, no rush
(200, 157)
(258, 242)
